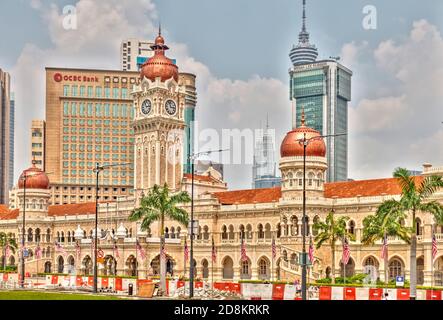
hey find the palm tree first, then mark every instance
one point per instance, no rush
(5, 241)
(414, 198)
(385, 223)
(158, 205)
(330, 232)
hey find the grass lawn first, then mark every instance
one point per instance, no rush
(41, 295)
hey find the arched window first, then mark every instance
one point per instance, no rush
(278, 230)
(69, 236)
(261, 234)
(166, 233)
(294, 258)
(231, 232)
(30, 235)
(224, 233)
(206, 233)
(268, 231)
(370, 267)
(285, 255)
(37, 235)
(241, 232)
(62, 236)
(316, 220)
(173, 232)
(352, 227)
(395, 268)
(418, 228)
(60, 264)
(228, 268)
(58, 236)
(263, 269)
(294, 227)
(249, 234)
(179, 230)
(205, 265)
(245, 269)
(300, 179)
(311, 178)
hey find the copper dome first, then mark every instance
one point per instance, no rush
(292, 147)
(35, 179)
(159, 66)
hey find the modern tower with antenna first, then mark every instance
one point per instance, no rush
(323, 88)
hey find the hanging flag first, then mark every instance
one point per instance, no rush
(38, 252)
(434, 247)
(244, 257)
(140, 251)
(116, 252)
(274, 248)
(384, 248)
(186, 251)
(346, 253)
(311, 251)
(59, 248)
(214, 252)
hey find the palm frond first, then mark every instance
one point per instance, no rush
(429, 186)
(407, 183)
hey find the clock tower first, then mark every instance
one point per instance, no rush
(159, 124)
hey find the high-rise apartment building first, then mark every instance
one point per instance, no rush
(133, 53)
(6, 135)
(38, 143)
(323, 90)
(11, 140)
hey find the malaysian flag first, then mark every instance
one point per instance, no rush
(115, 250)
(274, 248)
(186, 251)
(384, 248)
(434, 247)
(311, 251)
(140, 251)
(38, 252)
(92, 246)
(346, 252)
(59, 248)
(244, 257)
(7, 251)
(214, 252)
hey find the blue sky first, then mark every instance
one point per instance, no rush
(239, 51)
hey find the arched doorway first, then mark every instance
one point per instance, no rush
(131, 266)
(60, 264)
(245, 269)
(263, 269)
(228, 268)
(438, 272)
(170, 265)
(48, 267)
(71, 265)
(12, 261)
(371, 267)
(87, 265)
(350, 268)
(396, 268)
(110, 266)
(205, 269)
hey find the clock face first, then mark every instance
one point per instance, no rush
(171, 107)
(146, 107)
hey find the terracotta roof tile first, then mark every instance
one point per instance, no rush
(72, 209)
(249, 196)
(365, 188)
(6, 214)
(201, 178)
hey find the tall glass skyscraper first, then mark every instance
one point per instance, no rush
(323, 89)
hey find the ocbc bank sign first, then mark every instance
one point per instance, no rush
(58, 77)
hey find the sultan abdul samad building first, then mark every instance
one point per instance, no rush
(258, 215)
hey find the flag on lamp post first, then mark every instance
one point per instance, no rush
(274, 249)
(140, 251)
(7, 251)
(38, 252)
(311, 251)
(77, 249)
(244, 257)
(434, 247)
(346, 253)
(59, 248)
(115, 250)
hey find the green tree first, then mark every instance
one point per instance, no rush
(156, 206)
(7, 240)
(385, 222)
(415, 197)
(329, 232)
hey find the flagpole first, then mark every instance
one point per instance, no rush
(432, 263)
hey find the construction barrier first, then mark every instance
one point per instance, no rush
(349, 293)
(433, 295)
(402, 294)
(278, 292)
(337, 293)
(375, 293)
(289, 292)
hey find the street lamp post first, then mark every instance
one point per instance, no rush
(192, 158)
(97, 171)
(305, 143)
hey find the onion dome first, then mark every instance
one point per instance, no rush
(35, 178)
(293, 147)
(159, 66)
(121, 231)
(79, 233)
